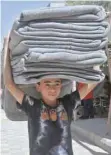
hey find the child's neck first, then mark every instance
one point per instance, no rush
(50, 103)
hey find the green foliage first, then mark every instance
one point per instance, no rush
(105, 4)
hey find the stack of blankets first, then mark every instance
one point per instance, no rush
(59, 42)
(56, 43)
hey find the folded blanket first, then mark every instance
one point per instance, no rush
(30, 38)
(36, 27)
(37, 77)
(18, 66)
(29, 71)
(62, 56)
(61, 59)
(79, 26)
(96, 12)
(23, 46)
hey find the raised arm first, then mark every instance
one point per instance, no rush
(17, 93)
(87, 88)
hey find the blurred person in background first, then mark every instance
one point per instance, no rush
(87, 103)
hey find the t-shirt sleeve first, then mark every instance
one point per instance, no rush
(72, 99)
(28, 103)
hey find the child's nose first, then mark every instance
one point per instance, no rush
(53, 89)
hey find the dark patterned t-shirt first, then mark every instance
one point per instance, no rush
(49, 127)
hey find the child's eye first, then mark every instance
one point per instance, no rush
(57, 84)
(47, 85)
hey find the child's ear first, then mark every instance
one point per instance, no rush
(37, 87)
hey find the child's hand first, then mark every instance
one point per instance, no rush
(97, 68)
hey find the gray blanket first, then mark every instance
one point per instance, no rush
(68, 37)
(83, 78)
(60, 56)
(23, 46)
(78, 12)
(36, 28)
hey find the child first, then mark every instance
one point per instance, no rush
(49, 118)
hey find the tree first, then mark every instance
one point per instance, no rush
(105, 4)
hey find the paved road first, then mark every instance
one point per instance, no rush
(14, 140)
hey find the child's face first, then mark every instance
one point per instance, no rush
(50, 88)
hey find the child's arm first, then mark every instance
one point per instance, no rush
(8, 80)
(87, 88)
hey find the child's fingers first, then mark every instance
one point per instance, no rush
(7, 39)
(6, 43)
(97, 67)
